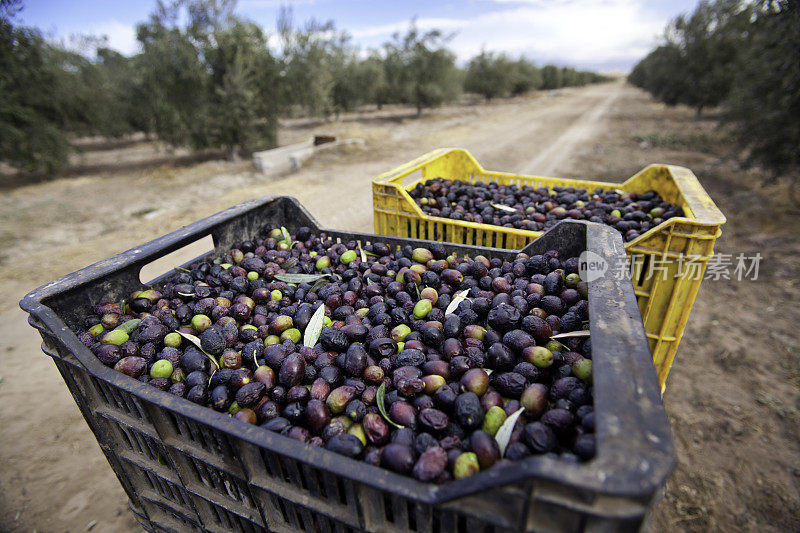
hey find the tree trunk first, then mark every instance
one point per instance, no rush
(698, 112)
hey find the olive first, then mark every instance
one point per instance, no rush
(339, 398)
(485, 448)
(220, 398)
(468, 410)
(431, 464)
(421, 308)
(499, 357)
(268, 410)
(398, 458)
(518, 340)
(466, 465)
(504, 318)
(198, 394)
(409, 357)
(382, 347)
(131, 366)
(517, 451)
(433, 420)
(347, 445)
(246, 415)
(250, 394)
(355, 410)
(585, 447)
(539, 356)
(493, 419)
(317, 415)
(212, 341)
(539, 437)
(559, 420)
(403, 413)
(475, 380)
(534, 399)
(582, 369)
(355, 361)
(375, 428)
(510, 384)
(445, 398)
(109, 354)
(292, 370)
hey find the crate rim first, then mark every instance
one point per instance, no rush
(704, 214)
(635, 478)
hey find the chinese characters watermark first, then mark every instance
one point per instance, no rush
(646, 267)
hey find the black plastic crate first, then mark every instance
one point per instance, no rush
(188, 468)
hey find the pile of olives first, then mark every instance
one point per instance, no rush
(538, 209)
(415, 366)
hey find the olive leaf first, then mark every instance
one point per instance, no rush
(488, 371)
(183, 269)
(504, 433)
(503, 208)
(619, 191)
(318, 284)
(194, 340)
(380, 397)
(362, 253)
(286, 236)
(300, 278)
(314, 327)
(370, 282)
(457, 299)
(187, 294)
(570, 334)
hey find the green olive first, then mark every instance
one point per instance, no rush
(348, 257)
(493, 419)
(293, 334)
(422, 308)
(161, 369)
(172, 339)
(115, 336)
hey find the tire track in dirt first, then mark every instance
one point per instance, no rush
(562, 148)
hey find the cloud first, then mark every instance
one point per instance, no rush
(607, 34)
(121, 37)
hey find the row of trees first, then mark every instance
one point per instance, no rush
(207, 78)
(493, 75)
(742, 56)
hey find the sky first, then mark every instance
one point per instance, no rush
(602, 35)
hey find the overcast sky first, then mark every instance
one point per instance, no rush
(602, 35)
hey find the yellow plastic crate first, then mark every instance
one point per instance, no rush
(667, 262)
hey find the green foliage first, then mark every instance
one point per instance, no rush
(698, 63)
(743, 57)
(32, 117)
(490, 75)
(525, 77)
(551, 77)
(312, 55)
(210, 84)
(206, 78)
(764, 104)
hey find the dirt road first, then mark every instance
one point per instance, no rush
(53, 476)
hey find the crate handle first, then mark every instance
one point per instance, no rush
(123, 269)
(181, 256)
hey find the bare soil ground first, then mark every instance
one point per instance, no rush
(734, 392)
